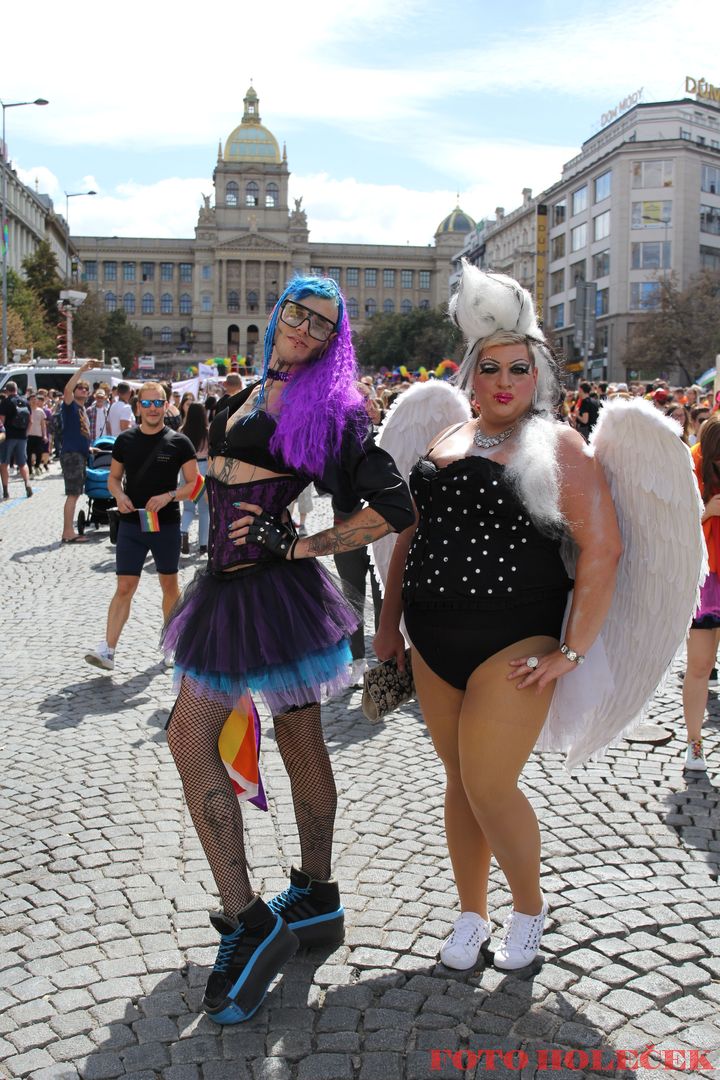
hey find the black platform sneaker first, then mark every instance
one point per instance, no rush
(311, 909)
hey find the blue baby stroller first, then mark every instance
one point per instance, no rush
(100, 501)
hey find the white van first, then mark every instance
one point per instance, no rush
(53, 374)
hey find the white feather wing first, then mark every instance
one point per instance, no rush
(418, 415)
(658, 505)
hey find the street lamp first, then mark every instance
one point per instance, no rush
(68, 196)
(5, 231)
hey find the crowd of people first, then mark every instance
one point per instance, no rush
(485, 610)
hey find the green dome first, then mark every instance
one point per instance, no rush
(252, 142)
(456, 222)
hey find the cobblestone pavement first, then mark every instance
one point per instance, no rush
(106, 944)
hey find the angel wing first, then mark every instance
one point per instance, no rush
(663, 564)
(418, 415)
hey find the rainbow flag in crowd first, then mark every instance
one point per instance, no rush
(149, 521)
(239, 746)
(198, 489)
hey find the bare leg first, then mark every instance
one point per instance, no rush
(69, 516)
(119, 610)
(170, 593)
(701, 650)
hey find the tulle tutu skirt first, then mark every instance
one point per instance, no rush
(276, 629)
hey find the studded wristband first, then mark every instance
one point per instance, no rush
(574, 657)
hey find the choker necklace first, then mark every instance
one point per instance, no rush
(278, 376)
(486, 442)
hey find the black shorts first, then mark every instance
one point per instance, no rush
(706, 622)
(133, 546)
(454, 642)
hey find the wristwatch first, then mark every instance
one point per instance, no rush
(173, 495)
(574, 657)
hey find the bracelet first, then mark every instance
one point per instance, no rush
(291, 553)
(574, 657)
(173, 495)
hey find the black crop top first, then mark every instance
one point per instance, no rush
(362, 471)
(475, 545)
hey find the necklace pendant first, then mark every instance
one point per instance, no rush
(278, 376)
(486, 442)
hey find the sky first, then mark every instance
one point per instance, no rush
(391, 109)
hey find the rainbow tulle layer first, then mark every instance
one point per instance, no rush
(276, 630)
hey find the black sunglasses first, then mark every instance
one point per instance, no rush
(294, 314)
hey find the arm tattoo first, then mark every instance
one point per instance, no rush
(346, 537)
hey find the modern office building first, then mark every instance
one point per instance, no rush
(211, 294)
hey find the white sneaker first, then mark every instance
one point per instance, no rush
(521, 941)
(462, 948)
(694, 757)
(101, 657)
(357, 670)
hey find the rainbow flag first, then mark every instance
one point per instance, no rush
(149, 521)
(239, 746)
(197, 491)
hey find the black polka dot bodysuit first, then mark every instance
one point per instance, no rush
(479, 574)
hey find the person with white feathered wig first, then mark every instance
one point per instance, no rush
(483, 589)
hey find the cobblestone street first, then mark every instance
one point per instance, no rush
(105, 892)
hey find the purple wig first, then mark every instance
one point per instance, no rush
(320, 401)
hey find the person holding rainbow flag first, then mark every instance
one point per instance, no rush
(146, 460)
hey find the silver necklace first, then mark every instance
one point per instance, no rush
(486, 442)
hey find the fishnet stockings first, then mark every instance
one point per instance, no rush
(302, 747)
(193, 740)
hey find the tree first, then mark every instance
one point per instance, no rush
(16, 334)
(41, 274)
(121, 338)
(37, 332)
(89, 326)
(683, 332)
(421, 338)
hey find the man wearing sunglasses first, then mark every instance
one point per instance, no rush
(266, 619)
(143, 481)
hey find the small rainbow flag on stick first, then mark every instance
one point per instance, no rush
(197, 491)
(239, 746)
(149, 521)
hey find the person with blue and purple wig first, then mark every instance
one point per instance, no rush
(265, 617)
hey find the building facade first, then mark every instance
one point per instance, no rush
(211, 295)
(31, 219)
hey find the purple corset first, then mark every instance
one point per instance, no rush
(274, 494)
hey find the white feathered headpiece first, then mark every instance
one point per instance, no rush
(486, 303)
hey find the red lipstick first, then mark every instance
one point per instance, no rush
(504, 399)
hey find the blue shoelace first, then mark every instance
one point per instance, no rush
(228, 943)
(286, 899)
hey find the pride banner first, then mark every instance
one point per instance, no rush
(239, 746)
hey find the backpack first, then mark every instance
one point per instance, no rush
(19, 422)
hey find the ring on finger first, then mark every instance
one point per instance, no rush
(532, 662)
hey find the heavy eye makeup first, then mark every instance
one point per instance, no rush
(488, 367)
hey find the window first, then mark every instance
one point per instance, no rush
(685, 134)
(252, 300)
(602, 185)
(652, 174)
(557, 316)
(353, 308)
(232, 193)
(129, 303)
(185, 305)
(406, 279)
(370, 278)
(233, 303)
(579, 200)
(710, 180)
(578, 237)
(601, 264)
(110, 271)
(601, 226)
(186, 271)
(252, 194)
(148, 304)
(206, 302)
(128, 271)
(388, 279)
(424, 305)
(710, 220)
(166, 304)
(577, 273)
(709, 258)
(206, 272)
(557, 281)
(424, 279)
(651, 215)
(166, 271)
(352, 276)
(653, 255)
(271, 300)
(644, 295)
(147, 271)
(388, 307)
(559, 212)
(334, 273)
(557, 246)
(317, 271)
(147, 333)
(406, 307)
(602, 302)
(272, 195)
(166, 335)
(110, 301)
(90, 270)
(370, 308)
